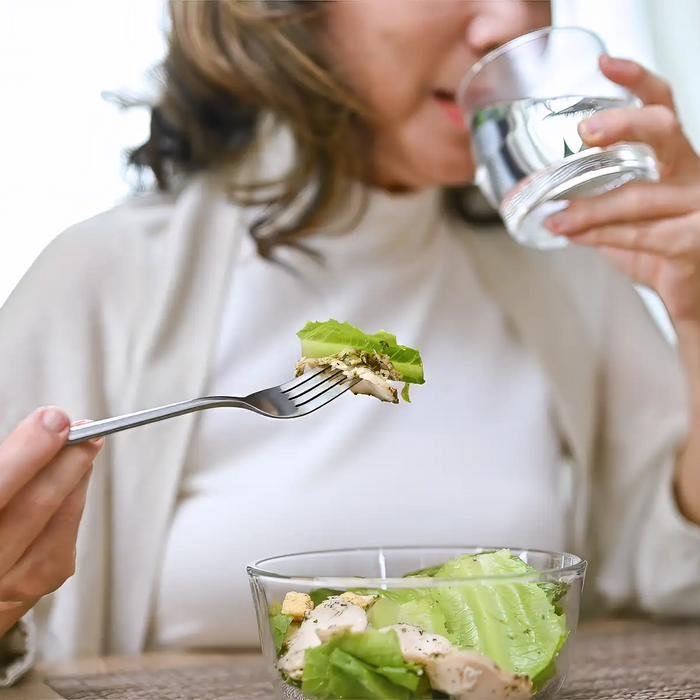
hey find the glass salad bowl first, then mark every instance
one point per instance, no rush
(469, 623)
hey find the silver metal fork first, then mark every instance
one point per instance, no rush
(297, 398)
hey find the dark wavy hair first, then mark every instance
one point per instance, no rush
(231, 63)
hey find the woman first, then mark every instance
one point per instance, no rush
(554, 413)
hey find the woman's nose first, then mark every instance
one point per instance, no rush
(499, 22)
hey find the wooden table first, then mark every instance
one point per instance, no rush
(616, 660)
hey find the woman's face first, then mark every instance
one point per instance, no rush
(405, 60)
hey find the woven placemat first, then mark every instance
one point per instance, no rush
(617, 662)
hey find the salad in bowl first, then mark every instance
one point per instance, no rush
(410, 623)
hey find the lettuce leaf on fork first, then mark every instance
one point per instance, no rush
(374, 358)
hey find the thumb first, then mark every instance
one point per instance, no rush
(29, 448)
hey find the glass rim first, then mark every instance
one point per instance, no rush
(257, 569)
(515, 43)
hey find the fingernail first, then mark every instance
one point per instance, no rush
(617, 62)
(98, 442)
(591, 128)
(555, 223)
(54, 420)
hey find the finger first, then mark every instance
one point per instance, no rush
(29, 447)
(50, 559)
(629, 204)
(650, 88)
(27, 514)
(656, 125)
(640, 268)
(675, 239)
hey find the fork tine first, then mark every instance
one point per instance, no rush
(306, 377)
(320, 383)
(332, 392)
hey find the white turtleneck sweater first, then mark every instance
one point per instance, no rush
(360, 472)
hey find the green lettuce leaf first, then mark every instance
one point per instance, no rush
(363, 666)
(323, 339)
(517, 624)
(322, 594)
(279, 625)
(513, 623)
(555, 591)
(540, 681)
(408, 606)
(429, 572)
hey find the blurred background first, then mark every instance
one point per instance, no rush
(63, 141)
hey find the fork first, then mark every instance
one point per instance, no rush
(297, 398)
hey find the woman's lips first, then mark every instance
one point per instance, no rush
(451, 109)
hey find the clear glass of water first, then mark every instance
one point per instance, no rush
(523, 103)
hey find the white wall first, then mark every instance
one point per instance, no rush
(676, 41)
(61, 142)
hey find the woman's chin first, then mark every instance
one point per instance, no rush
(421, 169)
(458, 179)
(452, 168)
(453, 175)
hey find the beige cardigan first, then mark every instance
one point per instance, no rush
(121, 313)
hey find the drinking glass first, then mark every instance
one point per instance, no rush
(523, 103)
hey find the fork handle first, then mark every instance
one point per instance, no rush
(108, 426)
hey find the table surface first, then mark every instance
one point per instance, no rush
(622, 659)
